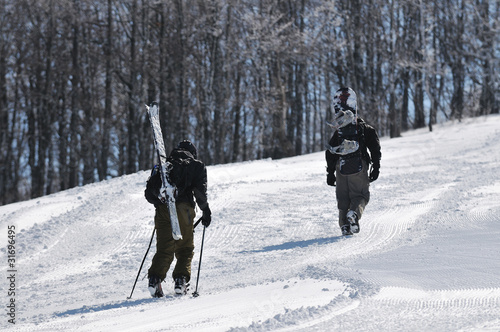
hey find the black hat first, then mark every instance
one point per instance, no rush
(188, 146)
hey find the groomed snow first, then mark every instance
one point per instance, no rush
(427, 257)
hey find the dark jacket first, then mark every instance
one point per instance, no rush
(194, 183)
(368, 141)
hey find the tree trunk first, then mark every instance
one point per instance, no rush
(108, 96)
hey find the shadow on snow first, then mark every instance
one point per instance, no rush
(103, 307)
(297, 244)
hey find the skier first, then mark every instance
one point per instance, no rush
(348, 159)
(191, 179)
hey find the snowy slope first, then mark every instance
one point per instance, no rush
(427, 257)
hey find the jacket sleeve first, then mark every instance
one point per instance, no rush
(373, 144)
(200, 185)
(331, 159)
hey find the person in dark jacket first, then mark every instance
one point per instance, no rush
(194, 185)
(353, 147)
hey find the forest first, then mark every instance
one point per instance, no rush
(241, 79)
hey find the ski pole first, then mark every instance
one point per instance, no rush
(196, 223)
(138, 273)
(195, 294)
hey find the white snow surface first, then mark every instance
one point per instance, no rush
(427, 257)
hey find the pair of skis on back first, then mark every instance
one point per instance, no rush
(168, 190)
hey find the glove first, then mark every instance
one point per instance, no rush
(331, 179)
(374, 172)
(206, 219)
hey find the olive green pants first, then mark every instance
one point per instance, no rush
(353, 193)
(167, 247)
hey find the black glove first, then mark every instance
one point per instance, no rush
(374, 172)
(206, 219)
(330, 178)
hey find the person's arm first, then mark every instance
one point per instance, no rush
(331, 161)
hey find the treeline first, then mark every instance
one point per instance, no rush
(242, 79)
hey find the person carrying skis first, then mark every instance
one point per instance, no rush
(348, 159)
(190, 178)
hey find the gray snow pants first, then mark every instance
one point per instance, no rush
(353, 193)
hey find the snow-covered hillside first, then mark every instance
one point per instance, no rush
(427, 257)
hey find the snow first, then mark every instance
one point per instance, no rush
(426, 258)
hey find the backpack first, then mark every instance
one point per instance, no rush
(178, 176)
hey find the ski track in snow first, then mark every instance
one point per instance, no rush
(426, 257)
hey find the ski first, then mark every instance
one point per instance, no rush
(168, 190)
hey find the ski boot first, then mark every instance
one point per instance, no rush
(154, 287)
(346, 230)
(181, 286)
(352, 217)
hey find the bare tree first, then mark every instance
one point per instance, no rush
(242, 79)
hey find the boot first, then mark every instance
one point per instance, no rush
(352, 217)
(154, 287)
(181, 286)
(346, 230)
